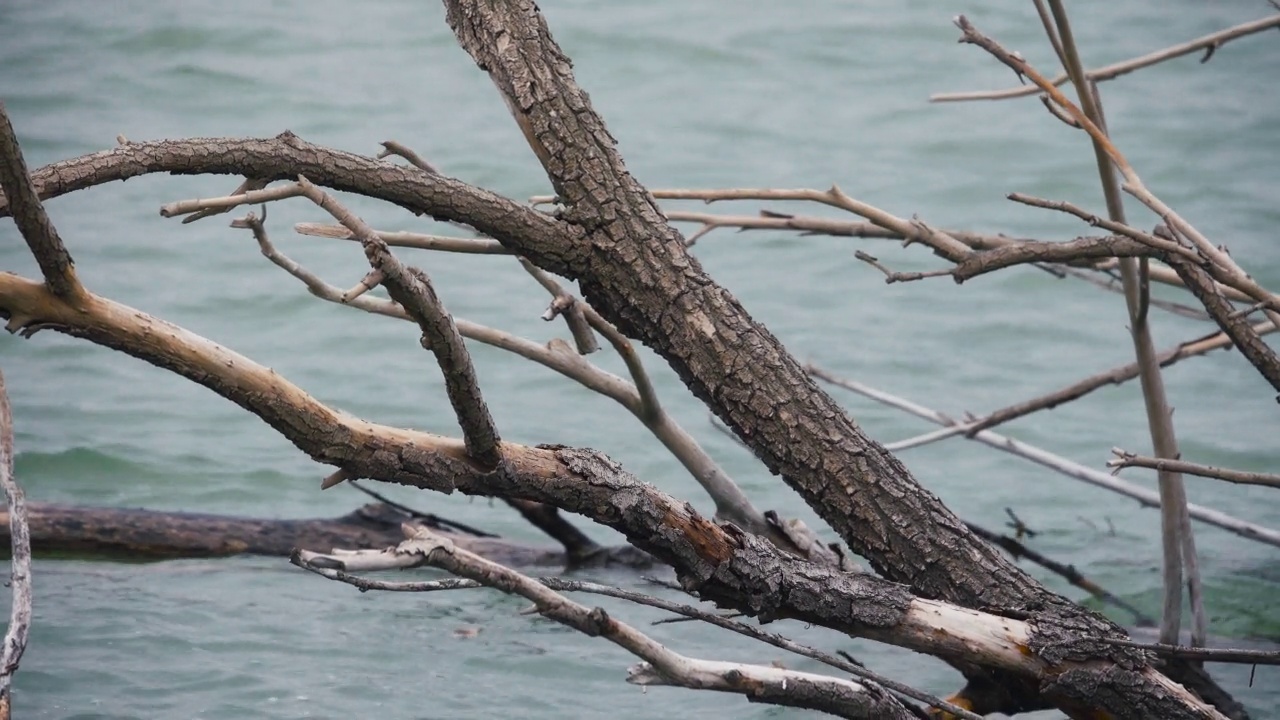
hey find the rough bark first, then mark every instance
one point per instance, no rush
(636, 271)
(133, 534)
(728, 567)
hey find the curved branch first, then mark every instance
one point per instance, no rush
(735, 570)
(549, 241)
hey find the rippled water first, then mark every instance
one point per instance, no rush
(698, 94)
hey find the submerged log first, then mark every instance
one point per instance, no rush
(136, 534)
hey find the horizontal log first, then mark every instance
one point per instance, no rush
(137, 534)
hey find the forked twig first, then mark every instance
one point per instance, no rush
(1124, 459)
(685, 611)
(1209, 42)
(1150, 498)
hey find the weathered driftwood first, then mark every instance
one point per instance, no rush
(151, 534)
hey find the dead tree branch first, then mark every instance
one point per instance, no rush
(771, 685)
(22, 201)
(1068, 572)
(731, 503)
(1144, 496)
(1222, 267)
(1126, 459)
(1177, 536)
(1114, 376)
(319, 564)
(1221, 655)
(918, 623)
(1209, 43)
(423, 241)
(412, 290)
(15, 637)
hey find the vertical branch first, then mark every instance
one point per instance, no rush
(15, 638)
(29, 214)
(1178, 540)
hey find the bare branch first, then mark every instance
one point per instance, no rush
(1177, 535)
(563, 303)
(15, 637)
(759, 684)
(731, 503)
(1151, 241)
(28, 213)
(250, 192)
(1221, 655)
(911, 230)
(1126, 459)
(1222, 267)
(286, 156)
(921, 624)
(1068, 572)
(891, 277)
(1067, 467)
(478, 246)
(1115, 70)
(1051, 252)
(813, 225)
(1114, 376)
(317, 564)
(412, 289)
(391, 147)
(1105, 280)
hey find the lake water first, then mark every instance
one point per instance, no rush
(698, 94)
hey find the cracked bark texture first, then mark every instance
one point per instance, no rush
(636, 271)
(634, 268)
(720, 563)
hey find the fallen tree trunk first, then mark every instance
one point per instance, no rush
(137, 534)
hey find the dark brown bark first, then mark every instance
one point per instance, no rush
(134, 534)
(1237, 327)
(33, 222)
(730, 568)
(635, 270)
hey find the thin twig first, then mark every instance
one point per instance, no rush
(834, 227)
(1104, 280)
(1126, 459)
(1067, 467)
(663, 665)
(1076, 390)
(912, 230)
(1069, 572)
(565, 304)
(423, 241)
(15, 637)
(686, 611)
(391, 147)
(1115, 70)
(428, 518)
(246, 194)
(1221, 655)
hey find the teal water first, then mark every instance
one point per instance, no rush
(698, 94)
